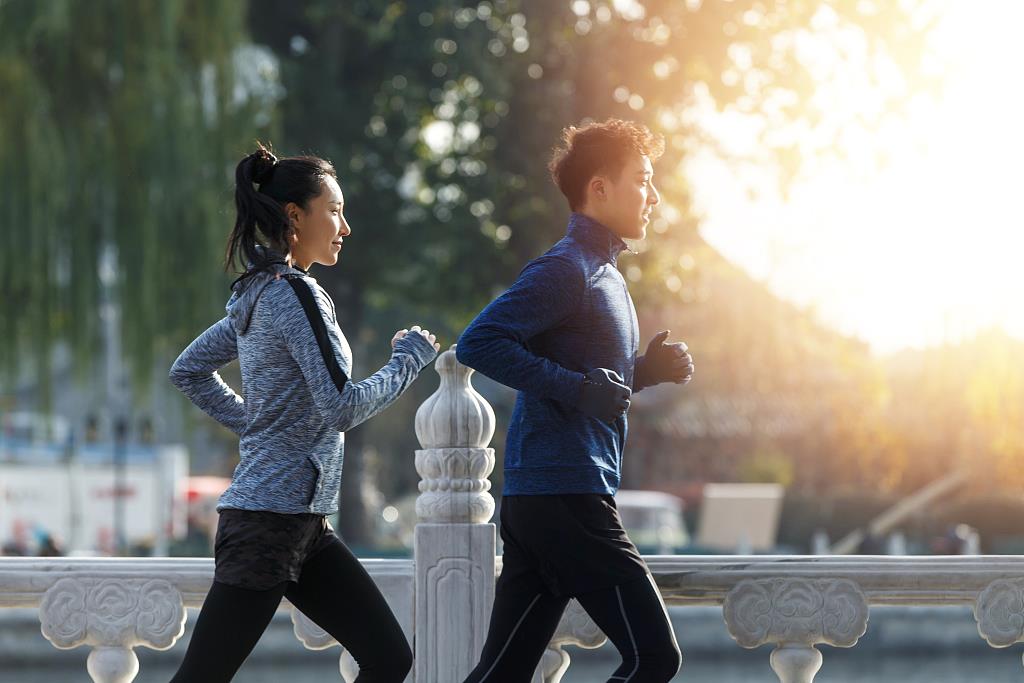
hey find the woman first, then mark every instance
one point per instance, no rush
(273, 539)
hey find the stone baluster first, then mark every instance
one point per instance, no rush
(795, 615)
(999, 611)
(315, 638)
(454, 545)
(113, 615)
(575, 628)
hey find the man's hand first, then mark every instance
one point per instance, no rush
(664, 363)
(604, 395)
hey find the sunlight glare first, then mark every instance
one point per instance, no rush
(919, 249)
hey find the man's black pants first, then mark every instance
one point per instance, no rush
(573, 546)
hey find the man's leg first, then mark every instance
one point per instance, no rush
(229, 625)
(634, 618)
(523, 620)
(336, 592)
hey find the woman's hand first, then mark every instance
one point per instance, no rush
(415, 329)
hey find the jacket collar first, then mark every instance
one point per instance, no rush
(585, 229)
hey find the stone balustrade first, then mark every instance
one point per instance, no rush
(793, 603)
(442, 597)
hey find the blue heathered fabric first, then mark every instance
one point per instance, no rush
(568, 313)
(292, 420)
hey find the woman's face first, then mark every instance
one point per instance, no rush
(318, 231)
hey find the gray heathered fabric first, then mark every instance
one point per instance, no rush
(293, 416)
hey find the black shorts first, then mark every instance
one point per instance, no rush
(259, 550)
(567, 544)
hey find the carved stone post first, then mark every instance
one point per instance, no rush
(113, 616)
(454, 545)
(796, 614)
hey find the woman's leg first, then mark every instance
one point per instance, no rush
(229, 625)
(338, 594)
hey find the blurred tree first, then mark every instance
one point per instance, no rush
(119, 126)
(440, 117)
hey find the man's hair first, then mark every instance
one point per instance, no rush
(598, 149)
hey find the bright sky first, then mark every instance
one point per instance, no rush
(925, 249)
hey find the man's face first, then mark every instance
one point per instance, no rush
(629, 199)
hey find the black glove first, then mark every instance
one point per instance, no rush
(604, 395)
(664, 363)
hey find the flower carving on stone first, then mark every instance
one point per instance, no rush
(455, 469)
(999, 611)
(309, 632)
(807, 611)
(112, 612)
(455, 486)
(577, 628)
(63, 614)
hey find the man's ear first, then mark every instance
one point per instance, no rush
(597, 187)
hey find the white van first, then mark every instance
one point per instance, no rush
(653, 520)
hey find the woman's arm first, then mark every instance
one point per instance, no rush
(195, 374)
(307, 325)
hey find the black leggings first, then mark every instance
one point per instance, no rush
(631, 614)
(333, 590)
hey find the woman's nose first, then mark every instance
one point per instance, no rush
(346, 229)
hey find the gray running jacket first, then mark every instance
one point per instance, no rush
(298, 397)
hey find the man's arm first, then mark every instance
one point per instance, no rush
(546, 293)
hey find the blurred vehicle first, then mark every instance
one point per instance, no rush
(654, 521)
(71, 492)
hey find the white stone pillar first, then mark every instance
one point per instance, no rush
(795, 615)
(454, 545)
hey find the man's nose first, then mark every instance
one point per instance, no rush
(653, 198)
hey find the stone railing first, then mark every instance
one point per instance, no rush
(793, 603)
(442, 598)
(114, 605)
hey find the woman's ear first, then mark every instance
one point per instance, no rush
(293, 214)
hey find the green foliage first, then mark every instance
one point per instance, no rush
(122, 121)
(120, 125)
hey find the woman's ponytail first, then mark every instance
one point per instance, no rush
(255, 211)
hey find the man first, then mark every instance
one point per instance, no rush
(566, 336)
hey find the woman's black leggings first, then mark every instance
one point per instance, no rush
(631, 614)
(333, 590)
